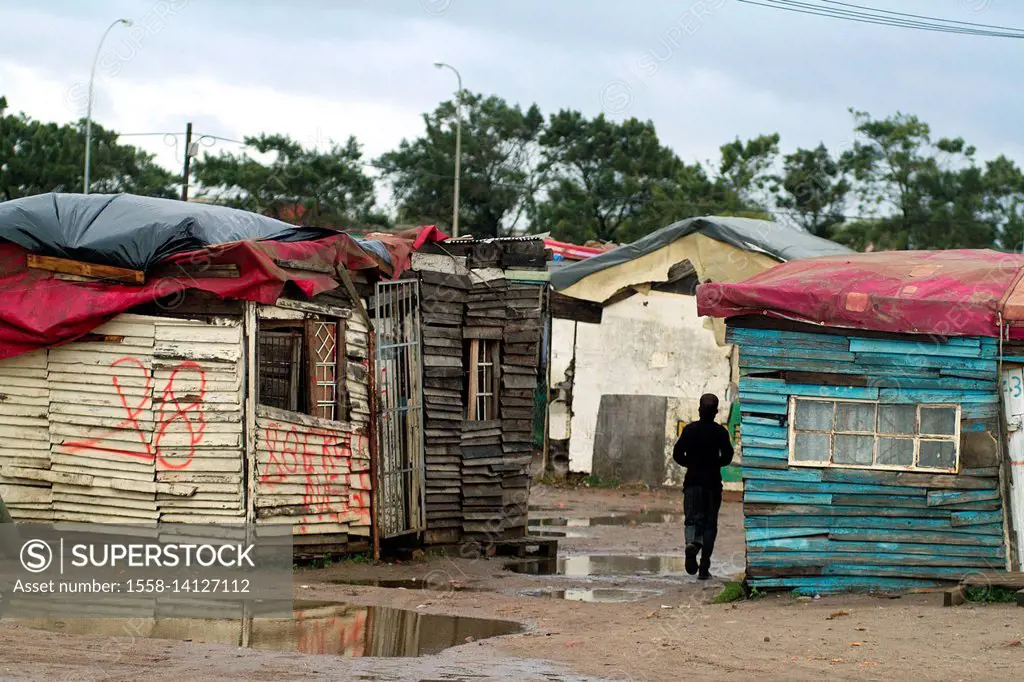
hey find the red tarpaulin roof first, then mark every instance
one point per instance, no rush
(39, 310)
(572, 251)
(947, 293)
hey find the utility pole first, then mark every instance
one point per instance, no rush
(458, 145)
(188, 160)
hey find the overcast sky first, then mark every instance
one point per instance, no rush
(704, 72)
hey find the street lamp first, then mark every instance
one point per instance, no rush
(458, 144)
(88, 115)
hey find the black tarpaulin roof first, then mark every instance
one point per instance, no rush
(778, 241)
(129, 231)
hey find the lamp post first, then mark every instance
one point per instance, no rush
(88, 114)
(458, 144)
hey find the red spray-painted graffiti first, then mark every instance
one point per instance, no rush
(324, 461)
(175, 412)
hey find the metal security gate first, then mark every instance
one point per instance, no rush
(401, 469)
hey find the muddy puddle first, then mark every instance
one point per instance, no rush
(612, 520)
(611, 564)
(316, 628)
(608, 595)
(406, 584)
(608, 565)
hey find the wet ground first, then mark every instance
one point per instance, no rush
(615, 604)
(314, 628)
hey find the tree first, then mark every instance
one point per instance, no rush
(1004, 201)
(37, 157)
(325, 188)
(601, 177)
(814, 188)
(498, 166)
(745, 179)
(927, 194)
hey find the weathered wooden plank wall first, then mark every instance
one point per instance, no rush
(478, 480)
(197, 397)
(313, 473)
(828, 529)
(142, 422)
(25, 477)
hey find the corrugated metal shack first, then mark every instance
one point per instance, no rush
(227, 383)
(875, 447)
(484, 329)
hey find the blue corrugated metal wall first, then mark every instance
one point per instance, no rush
(829, 529)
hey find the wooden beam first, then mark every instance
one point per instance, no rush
(492, 333)
(568, 308)
(824, 379)
(765, 322)
(304, 266)
(81, 269)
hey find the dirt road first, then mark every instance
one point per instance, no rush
(668, 631)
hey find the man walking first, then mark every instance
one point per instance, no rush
(703, 448)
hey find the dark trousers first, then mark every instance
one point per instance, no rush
(700, 506)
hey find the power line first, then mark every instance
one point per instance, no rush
(919, 16)
(879, 17)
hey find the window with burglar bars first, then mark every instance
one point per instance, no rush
(325, 366)
(280, 365)
(871, 435)
(300, 366)
(484, 380)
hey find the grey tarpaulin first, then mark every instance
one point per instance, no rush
(130, 231)
(773, 239)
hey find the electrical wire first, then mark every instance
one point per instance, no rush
(879, 17)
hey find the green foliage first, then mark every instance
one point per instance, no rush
(319, 187)
(733, 591)
(600, 178)
(595, 481)
(498, 167)
(745, 172)
(814, 188)
(990, 595)
(37, 157)
(923, 194)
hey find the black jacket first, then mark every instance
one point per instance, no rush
(703, 448)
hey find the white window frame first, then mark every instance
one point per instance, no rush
(917, 438)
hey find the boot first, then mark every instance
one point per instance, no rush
(692, 550)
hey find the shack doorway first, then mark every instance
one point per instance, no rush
(400, 462)
(1013, 406)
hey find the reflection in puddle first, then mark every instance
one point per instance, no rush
(610, 564)
(623, 520)
(316, 628)
(600, 565)
(598, 595)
